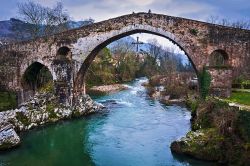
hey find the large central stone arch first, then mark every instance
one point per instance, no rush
(103, 40)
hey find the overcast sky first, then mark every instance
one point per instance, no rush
(104, 9)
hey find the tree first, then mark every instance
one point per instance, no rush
(242, 24)
(121, 49)
(155, 49)
(43, 20)
(56, 19)
(102, 70)
(168, 63)
(34, 14)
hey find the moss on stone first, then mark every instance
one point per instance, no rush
(194, 31)
(47, 88)
(202, 144)
(50, 108)
(5, 146)
(76, 113)
(22, 118)
(7, 101)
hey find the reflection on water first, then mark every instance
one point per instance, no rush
(135, 131)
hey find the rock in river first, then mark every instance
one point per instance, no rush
(8, 138)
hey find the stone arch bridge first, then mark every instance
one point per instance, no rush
(68, 55)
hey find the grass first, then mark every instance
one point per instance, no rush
(240, 97)
(7, 101)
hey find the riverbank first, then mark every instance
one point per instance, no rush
(40, 110)
(106, 89)
(172, 89)
(219, 133)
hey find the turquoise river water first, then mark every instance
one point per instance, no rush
(133, 131)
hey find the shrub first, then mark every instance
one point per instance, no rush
(7, 101)
(205, 81)
(176, 92)
(192, 104)
(244, 127)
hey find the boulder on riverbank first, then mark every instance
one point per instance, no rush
(8, 138)
(201, 144)
(42, 109)
(106, 89)
(219, 133)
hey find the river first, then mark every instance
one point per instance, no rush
(133, 131)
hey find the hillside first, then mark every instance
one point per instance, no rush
(15, 30)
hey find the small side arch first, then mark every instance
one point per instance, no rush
(35, 77)
(218, 58)
(64, 53)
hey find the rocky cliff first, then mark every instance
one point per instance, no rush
(42, 109)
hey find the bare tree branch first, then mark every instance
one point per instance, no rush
(242, 24)
(44, 20)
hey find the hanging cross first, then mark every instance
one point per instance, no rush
(137, 43)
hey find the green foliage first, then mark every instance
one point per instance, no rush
(149, 67)
(203, 144)
(240, 97)
(22, 118)
(106, 56)
(221, 133)
(127, 70)
(241, 82)
(194, 32)
(193, 105)
(207, 111)
(47, 88)
(246, 82)
(50, 108)
(205, 81)
(102, 70)
(244, 124)
(7, 101)
(106, 69)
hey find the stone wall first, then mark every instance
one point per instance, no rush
(221, 83)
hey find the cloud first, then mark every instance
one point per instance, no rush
(46, 2)
(141, 2)
(105, 9)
